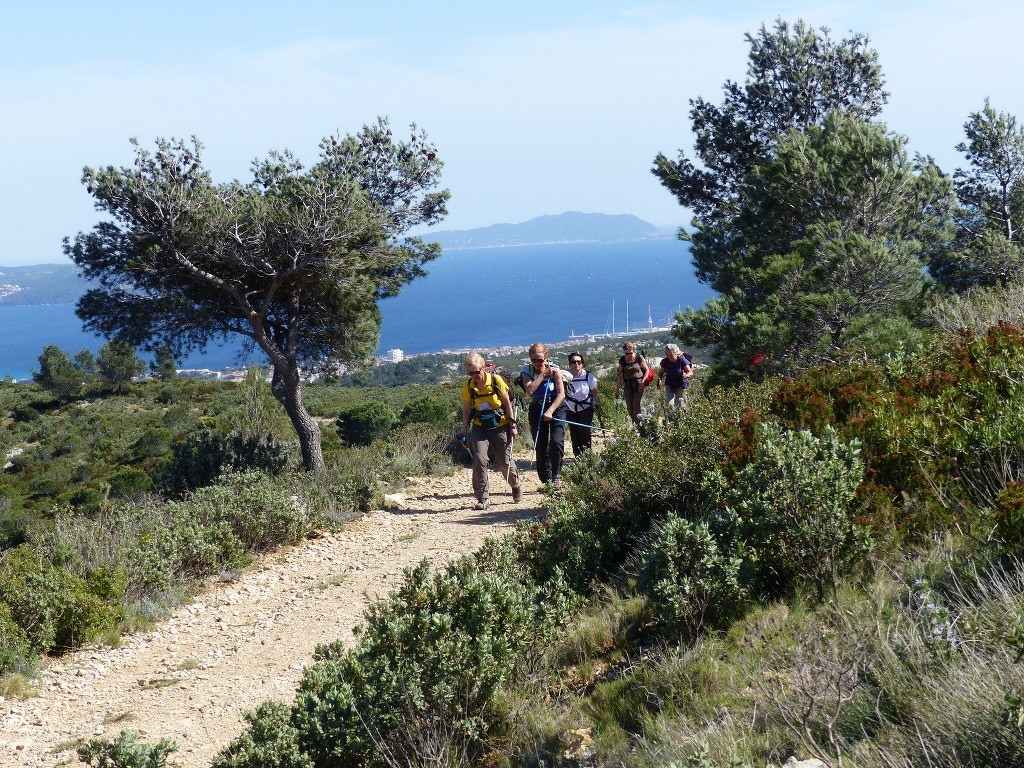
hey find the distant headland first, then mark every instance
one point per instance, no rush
(568, 227)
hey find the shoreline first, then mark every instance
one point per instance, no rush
(234, 373)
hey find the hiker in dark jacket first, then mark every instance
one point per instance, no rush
(543, 383)
(486, 403)
(631, 379)
(677, 371)
(582, 400)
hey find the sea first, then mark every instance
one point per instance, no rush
(474, 298)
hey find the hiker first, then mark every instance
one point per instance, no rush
(631, 379)
(543, 383)
(582, 401)
(485, 401)
(677, 371)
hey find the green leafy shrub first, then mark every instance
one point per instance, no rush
(269, 741)
(1009, 517)
(689, 578)
(427, 409)
(967, 426)
(56, 609)
(255, 508)
(199, 460)
(428, 661)
(24, 414)
(86, 501)
(16, 653)
(794, 503)
(154, 442)
(126, 751)
(129, 481)
(364, 422)
(634, 484)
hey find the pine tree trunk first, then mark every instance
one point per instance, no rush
(287, 388)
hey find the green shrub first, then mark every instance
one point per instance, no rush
(794, 503)
(256, 508)
(16, 653)
(428, 409)
(1009, 517)
(428, 661)
(56, 609)
(126, 751)
(24, 414)
(364, 422)
(86, 501)
(129, 481)
(269, 741)
(635, 483)
(154, 442)
(199, 460)
(690, 580)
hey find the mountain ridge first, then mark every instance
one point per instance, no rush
(568, 227)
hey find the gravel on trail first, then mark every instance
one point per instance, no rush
(240, 643)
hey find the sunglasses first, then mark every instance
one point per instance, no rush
(575, 362)
(538, 359)
(474, 373)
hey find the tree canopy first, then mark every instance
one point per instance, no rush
(830, 233)
(808, 216)
(990, 220)
(294, 260)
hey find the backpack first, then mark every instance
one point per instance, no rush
(646, 378)
(563, 374)
(496, 370)
(514, 398)
(588, 401)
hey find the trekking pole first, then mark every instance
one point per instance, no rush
(543, 405)
(587, 426)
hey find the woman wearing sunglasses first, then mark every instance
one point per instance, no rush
(543, 383)
(582, 400)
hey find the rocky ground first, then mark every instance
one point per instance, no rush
(247, 641)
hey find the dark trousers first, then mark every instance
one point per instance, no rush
(580, 435)
(550, 442)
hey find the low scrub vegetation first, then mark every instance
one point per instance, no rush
(818, 566)
(826, 565)
(115, 507)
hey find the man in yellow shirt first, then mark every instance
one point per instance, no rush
(486, 424)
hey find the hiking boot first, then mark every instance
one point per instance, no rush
(480, 505)
(517, 494)
(557, 483)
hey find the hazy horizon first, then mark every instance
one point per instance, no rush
(536, 108)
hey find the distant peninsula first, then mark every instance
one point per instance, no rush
(569, 227)
(40, 284)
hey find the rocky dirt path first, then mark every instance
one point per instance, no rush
(244, 642)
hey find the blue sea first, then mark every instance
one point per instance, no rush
(472, 298)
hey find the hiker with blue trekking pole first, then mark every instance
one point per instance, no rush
(542, 381)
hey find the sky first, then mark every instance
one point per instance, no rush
(536, 107)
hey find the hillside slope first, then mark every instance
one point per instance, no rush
(244, 642)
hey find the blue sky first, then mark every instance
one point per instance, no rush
(536, 107)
